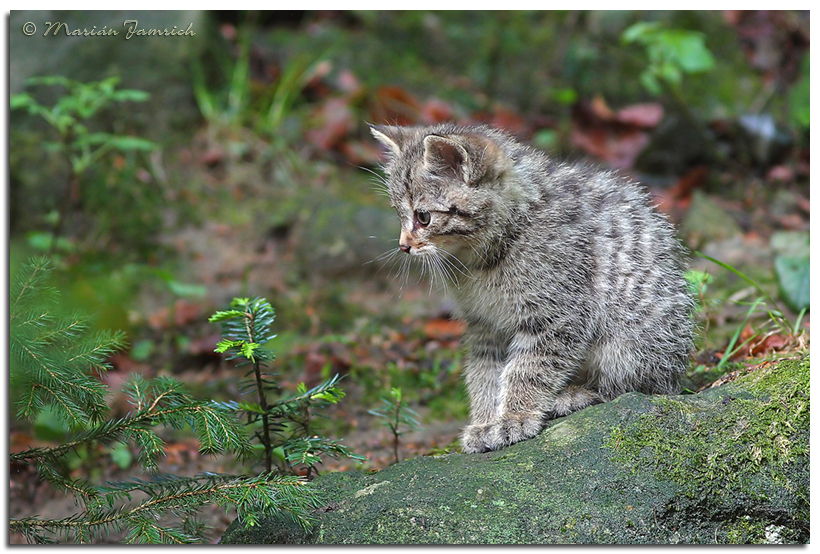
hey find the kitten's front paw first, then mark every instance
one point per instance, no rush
(473, 439)
(513, 428)
(504, 431)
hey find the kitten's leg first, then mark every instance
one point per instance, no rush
(539, 368)
(485, 359)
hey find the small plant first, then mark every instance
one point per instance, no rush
(70, 117)
(698, 282)
(777, 321)
(283, 427)
(227, 108)
(240, 102)
(396, 414)
(55, 363)
(672, 54)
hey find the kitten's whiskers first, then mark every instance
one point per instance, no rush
(379, 182)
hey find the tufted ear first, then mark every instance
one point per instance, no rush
(391, 136)
(470, 158)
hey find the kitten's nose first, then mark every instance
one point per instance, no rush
(405, 241)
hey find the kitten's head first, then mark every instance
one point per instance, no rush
(447, 184)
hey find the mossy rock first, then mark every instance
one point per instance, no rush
(727, 465)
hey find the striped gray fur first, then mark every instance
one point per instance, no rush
(572, 286)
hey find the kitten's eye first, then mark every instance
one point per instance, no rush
(423, 218)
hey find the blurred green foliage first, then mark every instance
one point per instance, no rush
(671, 52)
(123, 211)
(799, 97)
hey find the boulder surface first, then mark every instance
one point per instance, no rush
(727, 465)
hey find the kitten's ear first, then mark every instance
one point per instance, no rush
(444, 155)
(468, 158)
(391, 136)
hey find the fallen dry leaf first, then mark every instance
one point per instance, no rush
(394, 105)
(436, 111)
(332, 123)
(506, 119)
(444, 329)
(692, 179)
(616, 137)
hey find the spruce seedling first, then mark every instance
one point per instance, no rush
(396, 414)
(282, 426)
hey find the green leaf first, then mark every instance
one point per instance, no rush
(639, 31)
(40, 240)
(791, 243)
(130, 95)
(21, 101)
(126, 143)
(94, 139)
(186, 289)
(691, 52)
(650, 83)
(669, 72)
(240, 302)
(225, 344)
(142, 350)
(793, 277)
(51, 80)
(545, 138)
(252, 407)
(396, 393)
(331, 396)
(279, 453)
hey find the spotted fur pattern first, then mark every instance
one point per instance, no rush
(572, 286)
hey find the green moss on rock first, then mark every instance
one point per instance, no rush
(729, 465)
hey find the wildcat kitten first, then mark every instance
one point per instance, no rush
(572, 286)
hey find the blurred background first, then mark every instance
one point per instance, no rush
(164, 175)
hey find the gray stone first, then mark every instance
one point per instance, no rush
(706, 221)
(340, 237)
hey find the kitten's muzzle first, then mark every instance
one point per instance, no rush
(406, 241)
